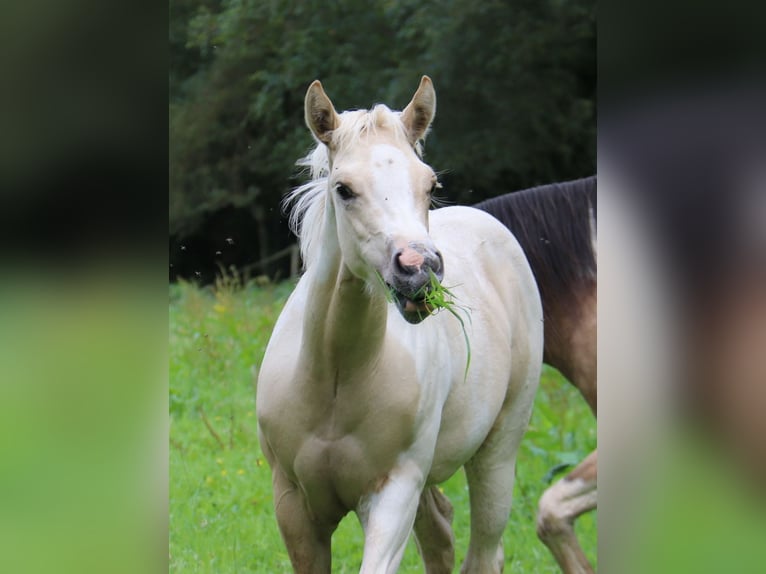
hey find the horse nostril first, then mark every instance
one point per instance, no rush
(411, 261)
(438, 265)
(408, 261)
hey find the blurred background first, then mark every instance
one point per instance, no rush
(84, 176)
(516, 93)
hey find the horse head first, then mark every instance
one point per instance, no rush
(379, 193)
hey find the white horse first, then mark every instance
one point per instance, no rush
(360, 405)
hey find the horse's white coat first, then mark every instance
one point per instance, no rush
(359, 409)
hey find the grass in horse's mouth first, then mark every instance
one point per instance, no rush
(433, 297)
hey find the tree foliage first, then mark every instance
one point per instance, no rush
(515, 84)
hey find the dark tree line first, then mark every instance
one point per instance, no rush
(515, 83)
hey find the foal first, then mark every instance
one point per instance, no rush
(365, 401)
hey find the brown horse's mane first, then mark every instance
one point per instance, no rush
(555, 225)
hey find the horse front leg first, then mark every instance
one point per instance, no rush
(307, 540)
(387, 516)
(560, 505)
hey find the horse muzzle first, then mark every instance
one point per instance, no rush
(414, 269)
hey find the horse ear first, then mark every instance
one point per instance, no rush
(419, 113)
(321, 117)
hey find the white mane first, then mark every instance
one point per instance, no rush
(308, 200)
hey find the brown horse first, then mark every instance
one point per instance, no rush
(556, 226)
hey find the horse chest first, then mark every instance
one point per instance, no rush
(339, 439)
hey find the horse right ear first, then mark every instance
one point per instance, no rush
(321, 117)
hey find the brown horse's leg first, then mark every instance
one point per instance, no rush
(433, 531)
(307, 541)
(560, 505)
(570, 346)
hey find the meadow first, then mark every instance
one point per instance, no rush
(221, 514)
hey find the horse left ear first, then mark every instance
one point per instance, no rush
(419, 113)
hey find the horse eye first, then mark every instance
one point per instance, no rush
(344, 192)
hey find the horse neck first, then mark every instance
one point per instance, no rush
(345, 323)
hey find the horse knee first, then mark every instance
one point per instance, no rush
(441, 503)
(553, 519)
(563, 502)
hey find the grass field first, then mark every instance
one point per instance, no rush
(221, 515)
